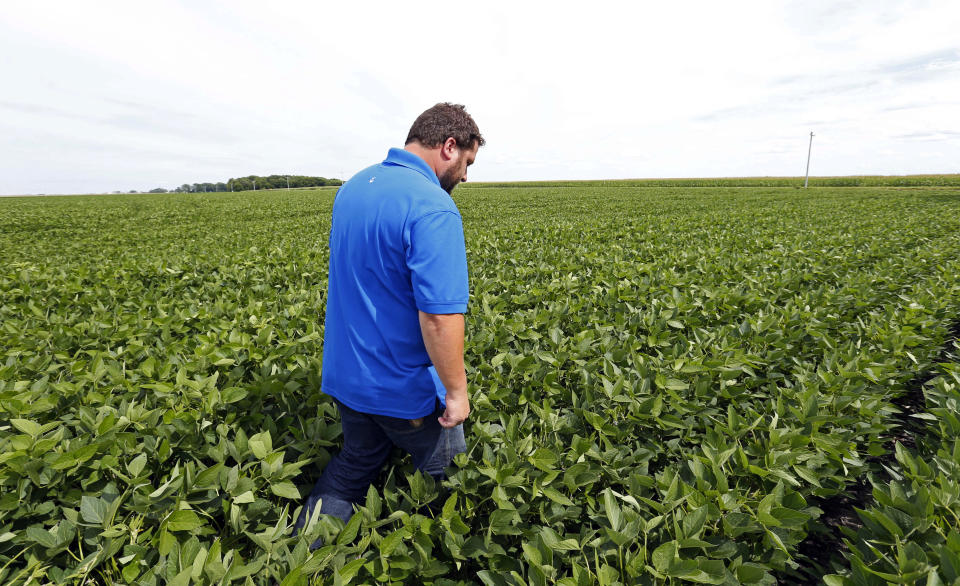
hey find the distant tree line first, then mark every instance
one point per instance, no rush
(250, 183)
(278, 182)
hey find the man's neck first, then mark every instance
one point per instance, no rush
(430, 156)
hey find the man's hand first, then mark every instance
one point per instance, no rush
(458, 408)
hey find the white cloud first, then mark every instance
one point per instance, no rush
(135, 95)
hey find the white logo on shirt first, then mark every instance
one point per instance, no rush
(372, 179)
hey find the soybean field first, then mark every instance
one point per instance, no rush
(671, 383)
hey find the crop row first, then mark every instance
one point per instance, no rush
(764, 381)
(911, 530)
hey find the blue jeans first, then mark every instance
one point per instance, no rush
(367, 442)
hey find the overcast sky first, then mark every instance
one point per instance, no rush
(99, 96)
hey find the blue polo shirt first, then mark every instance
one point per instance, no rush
(396, 246)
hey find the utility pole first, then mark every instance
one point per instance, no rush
(809, 149)
(254, 184)
(288, 183)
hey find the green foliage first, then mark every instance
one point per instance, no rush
(666, 382)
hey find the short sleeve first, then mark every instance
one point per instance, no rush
(437, 259)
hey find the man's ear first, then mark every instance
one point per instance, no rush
(449, 149)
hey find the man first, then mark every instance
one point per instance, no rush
(393, 338)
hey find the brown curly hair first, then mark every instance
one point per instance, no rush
(443, 121)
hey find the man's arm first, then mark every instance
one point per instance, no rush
(443, 337)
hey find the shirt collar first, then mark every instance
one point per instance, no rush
(407, 159)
